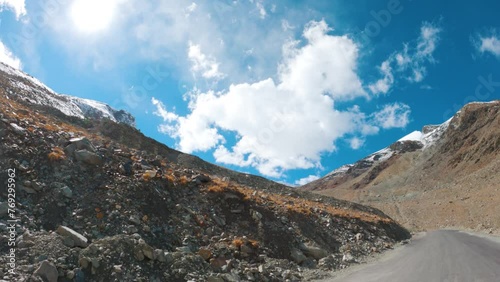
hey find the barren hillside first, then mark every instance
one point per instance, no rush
(452, 181)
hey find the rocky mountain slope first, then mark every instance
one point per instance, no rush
(95, 200)
(444, 176)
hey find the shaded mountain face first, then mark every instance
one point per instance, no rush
(96, 200)
(444, 176)
(27, 88)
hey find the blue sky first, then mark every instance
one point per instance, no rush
(286, 89)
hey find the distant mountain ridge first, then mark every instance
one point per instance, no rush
(417, 140)
(31, 90)
(443, 176)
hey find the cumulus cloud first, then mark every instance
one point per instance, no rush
(17, 6)
(280, 125)
(326, 65)
(305, 180)
(8, 58)
(395, 115)
(202, 64)
(409, 63)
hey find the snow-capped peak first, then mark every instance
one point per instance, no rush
(31, 90)
(427, 137)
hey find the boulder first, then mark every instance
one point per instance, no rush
(205, 254)
(217, 263)
(297, 256)
(201, 178)
(148, 251)
(48, 271)
(160, 255)
(78, 239)
(80, 143)
(88, 157)
(313, 252)
(138, 254)
(215, 279)
(347, 257)
(359, 237)
(67, 192)
(17, 129)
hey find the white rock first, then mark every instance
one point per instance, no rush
(78, 239)
(17, 129)
(348, 258)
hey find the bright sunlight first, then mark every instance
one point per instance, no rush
(92, 15)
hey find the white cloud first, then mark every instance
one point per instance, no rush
(487, 43)
(383, 85)
(262, 10)
(356, 143)
(326, 65)
(162, 112)
(286, 26)
(490, 44)
(191, 8)
(202, 64)
(164, 34)
(7, 57)
(305, 180)
(409, 62)
(194, 131)
(284, 125)
(395, 115)
(17, 6)
(429, 37)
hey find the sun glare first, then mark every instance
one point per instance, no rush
(92, 15)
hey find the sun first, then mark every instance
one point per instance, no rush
(91, 16)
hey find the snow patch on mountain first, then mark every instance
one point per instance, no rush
(414, 136)
(428, 137)
(342, 169)
(33, 91)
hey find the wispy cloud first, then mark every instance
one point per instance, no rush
(409, 63)
(220, 29)
(395, 115)
(7, 57)
(17, 6)
(262, 10)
